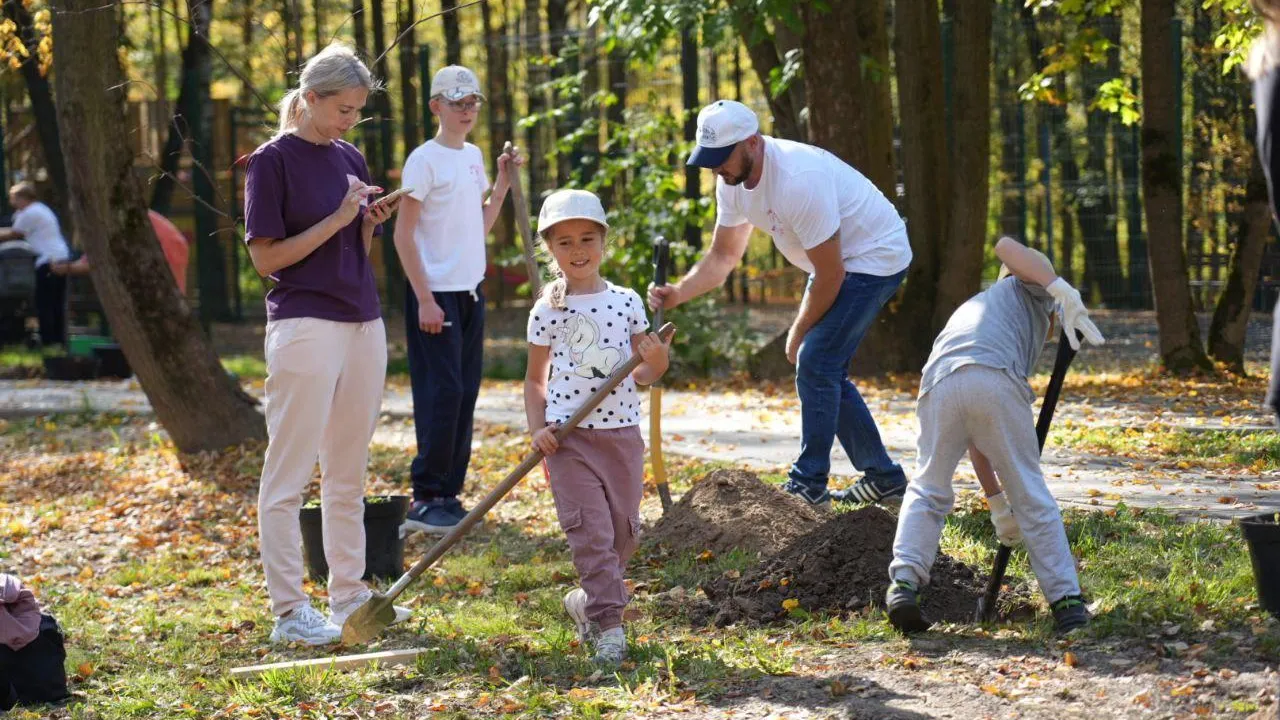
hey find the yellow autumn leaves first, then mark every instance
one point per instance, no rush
(14, 50)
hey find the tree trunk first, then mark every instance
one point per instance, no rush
(211, 261)
(452, 35)
(1097, 210)
(1127, 142)
(408, 68)
(1231, 315)
(563, 56)
(501, 113)
(161, 52)
(966, 235)
(246, 41)
(1200, 176)
(763, 51)
(1013, 169)
(689, 100)
(381, 160)
(359, 35)
(856, 124)
(615, 116)
(536, 78)
(195, 400)
(191, 125)
(1180, 348)
(43, 112)
(288, 24)
(903, 333)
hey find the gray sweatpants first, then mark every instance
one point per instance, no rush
(984, 406)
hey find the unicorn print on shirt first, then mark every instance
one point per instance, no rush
(583, 337)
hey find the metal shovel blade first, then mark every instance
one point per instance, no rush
(368, 620)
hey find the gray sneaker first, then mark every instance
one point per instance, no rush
(902, 600)
(611, 648)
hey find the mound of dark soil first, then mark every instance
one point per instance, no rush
(840, 565)
(733, 509)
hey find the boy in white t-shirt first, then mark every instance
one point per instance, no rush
(35, 222)
(440, 238)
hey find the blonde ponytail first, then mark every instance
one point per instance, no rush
(290, 110)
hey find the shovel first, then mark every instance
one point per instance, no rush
(377, 613)
(986, 611)
(661, 253)
(522, 221)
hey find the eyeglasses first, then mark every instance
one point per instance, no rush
(464, 106)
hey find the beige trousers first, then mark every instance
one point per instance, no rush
(324, 392)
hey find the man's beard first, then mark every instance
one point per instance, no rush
(748, 166)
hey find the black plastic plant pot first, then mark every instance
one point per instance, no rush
(383, 548)
(111, 362)
(70, 367)
(1262, 535)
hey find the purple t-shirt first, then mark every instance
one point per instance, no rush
(290, 185)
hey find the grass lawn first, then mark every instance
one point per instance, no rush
(150, 563)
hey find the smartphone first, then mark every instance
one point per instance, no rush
(392, 195)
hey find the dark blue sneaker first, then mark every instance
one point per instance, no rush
(902, 601)
(454, 506)
(433, 517)
(868, 491)
(807, 493)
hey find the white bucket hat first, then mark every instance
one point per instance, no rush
(564, 205)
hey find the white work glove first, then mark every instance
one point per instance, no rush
(1002, 517)
(1075, 318)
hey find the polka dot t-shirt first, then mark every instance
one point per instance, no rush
(589, 339)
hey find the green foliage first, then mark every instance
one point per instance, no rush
(1116, 97)
(1240, 27)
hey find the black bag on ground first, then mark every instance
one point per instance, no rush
(36, 674)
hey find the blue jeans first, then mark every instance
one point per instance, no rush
(830, 406)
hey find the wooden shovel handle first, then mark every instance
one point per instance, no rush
(515, 476)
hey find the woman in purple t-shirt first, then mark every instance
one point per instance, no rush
(309, 225)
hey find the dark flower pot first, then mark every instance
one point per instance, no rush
(111, 362)
(70, 367)
(1262, 535)
(383, 549)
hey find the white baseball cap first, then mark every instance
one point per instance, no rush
(455, 82)
(721, 126)
(564, 205)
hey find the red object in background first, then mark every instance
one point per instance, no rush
(175, 247)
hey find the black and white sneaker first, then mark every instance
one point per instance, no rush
(868, 491)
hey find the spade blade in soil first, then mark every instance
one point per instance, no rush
(368, 620)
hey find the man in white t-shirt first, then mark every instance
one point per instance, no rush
(440, 238)
(829, 220)
(35, 222)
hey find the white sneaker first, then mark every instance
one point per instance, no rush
(307, 626)
(575, 604)
(339, 612)
(611, 647)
